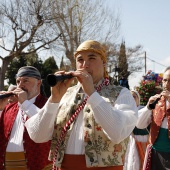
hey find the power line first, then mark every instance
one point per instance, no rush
(156, 62)
(150, 59)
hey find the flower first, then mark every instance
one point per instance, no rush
(149, 86)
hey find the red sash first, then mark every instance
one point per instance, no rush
(77, 162)
(141, 150)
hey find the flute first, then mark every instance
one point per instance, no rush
(153, 104)
(53, 79)
(2, 96)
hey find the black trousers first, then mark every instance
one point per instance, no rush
(160, 160)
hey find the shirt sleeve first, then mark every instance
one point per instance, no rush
(40, 126)
(144, 118)
(29, 108)
(117, 119)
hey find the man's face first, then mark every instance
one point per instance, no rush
(166, 80)
(92, 63)
(30, 85)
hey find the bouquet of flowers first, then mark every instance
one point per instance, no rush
(149, 86)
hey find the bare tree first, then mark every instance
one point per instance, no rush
(23, 23)
(79, 20)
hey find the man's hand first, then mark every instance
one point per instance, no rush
(86, 80)
(60, 88)
(21, 94)
(3, 102)
(152, 99)
(166, 94)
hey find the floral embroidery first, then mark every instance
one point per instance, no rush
(98, 128)
(99, 150)
(86, 138)
(111, 161)
(117, 148)
(123, 158)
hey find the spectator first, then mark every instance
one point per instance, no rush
(124, 82)
(137, 143)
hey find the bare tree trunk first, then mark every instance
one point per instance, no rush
(3, 69)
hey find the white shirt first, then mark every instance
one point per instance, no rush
(145, 118)
(15, 143)
(118, 121)
(132, 158)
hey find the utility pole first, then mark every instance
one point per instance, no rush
(145, 62)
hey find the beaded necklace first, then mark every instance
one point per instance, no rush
(22, 117)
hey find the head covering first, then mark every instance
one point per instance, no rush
(28, 71)
(136, 92)
(93, 46)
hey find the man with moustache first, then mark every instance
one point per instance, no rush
(17, 150)
(89, 123)
(159, 118)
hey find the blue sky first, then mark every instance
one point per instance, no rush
(146, 22)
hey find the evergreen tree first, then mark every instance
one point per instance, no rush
(123, 72)
(122, 62)
(62, 64)
(33, 59)
(30, 59)
(13, 67)
(49, 67)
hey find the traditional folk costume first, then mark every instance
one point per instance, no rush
(98, 138)
(137, 143)
(18, 151)
(135, 153)
(159, 136)
(88, 132)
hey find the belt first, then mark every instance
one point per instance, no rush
(77, 162)
(15, 161)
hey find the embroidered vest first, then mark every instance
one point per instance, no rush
(36, 153)
(99, 150)
(158, 115)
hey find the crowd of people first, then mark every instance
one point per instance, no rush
(92, 125)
